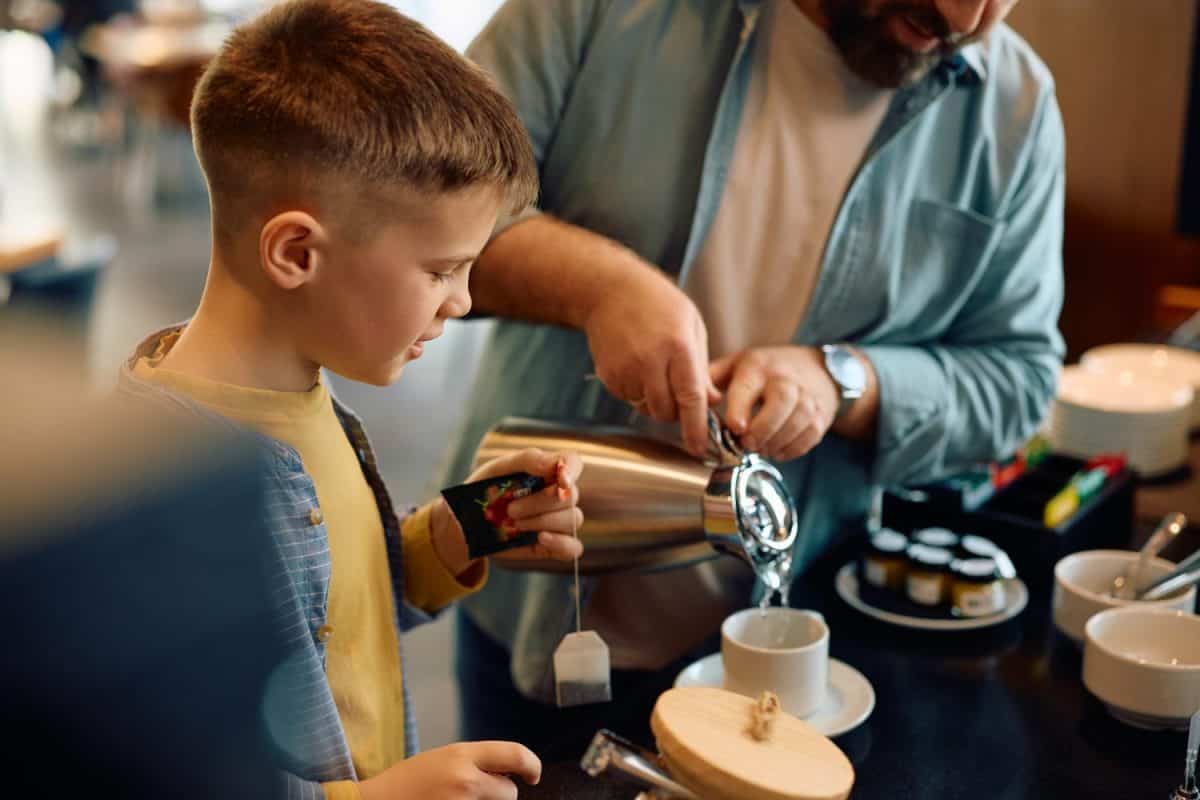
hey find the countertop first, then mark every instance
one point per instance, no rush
(997, 713)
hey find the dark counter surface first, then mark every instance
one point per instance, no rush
(997, 713)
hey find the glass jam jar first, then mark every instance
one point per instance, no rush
(928, 579)
(976, 589)
(885, 563)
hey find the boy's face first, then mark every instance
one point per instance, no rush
(379, 298)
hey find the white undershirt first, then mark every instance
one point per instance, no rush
(806, 125)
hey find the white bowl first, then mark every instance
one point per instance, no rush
(1124, 391)
(1144, 665)
(1082, 580)
(1151, 360)
(1146, 418)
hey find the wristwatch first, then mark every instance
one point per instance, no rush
(848, 374)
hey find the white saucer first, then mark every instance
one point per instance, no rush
(1017, 596)
(850, 701)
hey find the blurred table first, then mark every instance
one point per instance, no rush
(1000, 713)
(34, 16)
(156, 65)
(24, 248)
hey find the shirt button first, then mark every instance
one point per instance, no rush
(324, 633)
(315, 517)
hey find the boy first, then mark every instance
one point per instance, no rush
(356, 167)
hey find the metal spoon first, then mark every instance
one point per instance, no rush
(1188, 789)
(1184, 574)
(1193, 749)
(1125, 586)
(1176, 584)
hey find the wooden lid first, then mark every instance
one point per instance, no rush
(703, 736)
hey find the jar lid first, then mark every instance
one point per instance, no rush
(975, 570)
(934, 558)
(888, 542)
(937, 537)
(978, 547)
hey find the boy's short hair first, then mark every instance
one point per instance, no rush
(312, 91)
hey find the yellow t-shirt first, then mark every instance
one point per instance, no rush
(362, 657)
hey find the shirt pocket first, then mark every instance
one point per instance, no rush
(943, 253)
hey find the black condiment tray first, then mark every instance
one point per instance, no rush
(1012, 518)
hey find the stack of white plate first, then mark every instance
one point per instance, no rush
(1153, 361)
(1145, 418)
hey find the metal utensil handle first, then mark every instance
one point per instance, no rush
(1193, 748)
(615, 756)
(1182, 568)
(1170, 527)
(1171, 585)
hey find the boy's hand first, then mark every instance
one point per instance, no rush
(553, 511)
(465, 771)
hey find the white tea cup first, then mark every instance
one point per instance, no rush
(783, 650)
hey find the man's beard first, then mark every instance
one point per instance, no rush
(872, 52)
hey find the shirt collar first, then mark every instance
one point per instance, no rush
(971, 60)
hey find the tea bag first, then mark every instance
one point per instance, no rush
(581, 666)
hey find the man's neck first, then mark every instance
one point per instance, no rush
(237, 339)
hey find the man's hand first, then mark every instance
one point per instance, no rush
(647, 339)
(553, 511)
(466, 771)
(780, 401)
(651, 350)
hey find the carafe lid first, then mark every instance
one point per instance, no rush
(748, 510)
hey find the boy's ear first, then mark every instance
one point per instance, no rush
(292, 247)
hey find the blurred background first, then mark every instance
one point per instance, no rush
(104, 230)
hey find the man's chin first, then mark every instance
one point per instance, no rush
(888, 71)
(877, 57)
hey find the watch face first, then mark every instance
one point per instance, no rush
(846, 369)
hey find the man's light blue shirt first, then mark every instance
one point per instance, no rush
(943, 264)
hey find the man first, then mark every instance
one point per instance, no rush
(749, 181)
